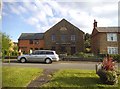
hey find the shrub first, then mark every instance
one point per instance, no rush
(108, 77)
(85, 55)
(108, 73)
(116, 57)
(108, 64)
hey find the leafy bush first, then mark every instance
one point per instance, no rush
(108, 73)
(108, 77)
(108, 64)
(116, 57)
(85, 55)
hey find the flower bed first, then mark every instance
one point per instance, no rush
(108, 73)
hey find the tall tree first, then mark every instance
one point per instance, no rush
(6, 43)
(87, 43)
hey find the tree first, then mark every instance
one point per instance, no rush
(15, 48)
(87, 43)
(6, 44)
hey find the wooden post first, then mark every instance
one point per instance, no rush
(9, 57)
(96, 68)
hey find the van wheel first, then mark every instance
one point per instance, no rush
(48, 61)
(22, 60)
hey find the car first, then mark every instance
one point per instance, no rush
(47, 56)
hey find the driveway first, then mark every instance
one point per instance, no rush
(56, 65)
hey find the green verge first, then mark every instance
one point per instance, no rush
(0, 76)
(75, 78)
(19, 76)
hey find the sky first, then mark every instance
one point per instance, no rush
(37, 16)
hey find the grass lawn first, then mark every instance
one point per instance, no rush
(83, 79)
(0, 76)
(19, 76)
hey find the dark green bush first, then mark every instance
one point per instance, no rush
(116, 57)
(85, 55)
(108, 77)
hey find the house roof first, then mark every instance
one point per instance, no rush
(31, 36)
(107, 29)
(63, 23)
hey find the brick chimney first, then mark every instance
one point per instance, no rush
(95, 24)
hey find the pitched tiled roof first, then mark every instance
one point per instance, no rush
(107, 29)
(64, 23)
(31, 36)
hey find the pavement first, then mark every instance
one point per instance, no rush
(55, 65)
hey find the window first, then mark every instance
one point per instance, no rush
(53, 37)
(41, 48)
(63, 37)
(112, 50)
(30, 41)
(53, 48)
(111, 37)
(35, 53)
(38, 53)
(42, 52)
(49, 53)
(72, 37)
(36, 41)
(83, 36)
(63, 49)
(36, 48)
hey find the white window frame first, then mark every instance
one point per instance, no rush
(111, 36)
(112, 50)
(53, 37)
(72, 37)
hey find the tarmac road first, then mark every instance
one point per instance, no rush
(55, 65)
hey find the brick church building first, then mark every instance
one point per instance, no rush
(63, 37)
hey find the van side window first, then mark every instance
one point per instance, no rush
(42, 52)
(49, 53)
(36, 53)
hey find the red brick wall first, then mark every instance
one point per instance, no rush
(99, 42)
(24, 45)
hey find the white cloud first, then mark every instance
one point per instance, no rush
(32, 21)
(48, 10)
(109, 9)
(30, 6)
(15, 10)
(41, 16)
(82, 14)
(53, 21)
(22, 9)
(43, 29)
(103, 22)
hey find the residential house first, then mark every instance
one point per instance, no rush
(64, 37)
(105, 40)
(30, 41)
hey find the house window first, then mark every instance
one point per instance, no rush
(36, 42)
(36, 48)
(63, 49)
(30, 41)
(72, 37)
(53, 48)
(111, 37)
(112, 50)
(41, 48)
(63, 37)
(53, 37)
